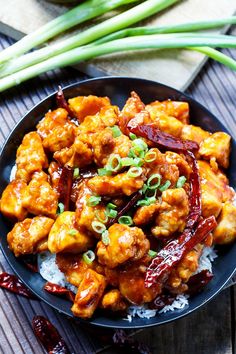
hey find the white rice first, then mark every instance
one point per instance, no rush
(50, 271)
(13, 173)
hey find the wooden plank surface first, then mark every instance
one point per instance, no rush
(175, 68)
(211, 330)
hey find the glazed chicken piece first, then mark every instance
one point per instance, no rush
(89, 294)
(169, 165)
(132, 287)
(115, 185)
(74, 267)
(11, 202)
(84, 106)
(114, 301)
(126, 243)
(30, 157)
(78, 155)
(145, 214)
(105, 145)
(56, 130)
(225, 231)
(107, 117)
(215, 189)
(164, 122)
(191, 132)
(172, 214)
(64, 237)
(217, 146)
(185, 269)
(30, 236)
(86, 214)
(39, 197)
(179, 110)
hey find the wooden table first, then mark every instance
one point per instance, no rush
(211, 330)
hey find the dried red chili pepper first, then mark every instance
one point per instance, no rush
(59, 290)
(198, 281)
(65, 186)
(122, 340)
(49, 336)
(162, 139)
(62, 103)
(175, 250)
(14, 284)
(30, 261)
(125, 209)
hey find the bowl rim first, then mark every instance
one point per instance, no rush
(92, 321)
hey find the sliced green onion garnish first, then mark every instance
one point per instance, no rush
(116, 131)
(127, 161)
(132, 136)
(150, 193)
(181, 181)
(104, 172)
(98, 227)
(105, 238)
(76, 173)
(89, 257)
(165, 186)
(144, 188)
(134, 171)
(72, 232)
(114, 163)
(111, 206)
(140, 143)
(111, 213)
(93, 200)
(152, 253)
(136, 151)
(146, 202)
(103, 218)
(126, 220)
(137, 162)
(60, 208)
(150, 156)
(150, 182)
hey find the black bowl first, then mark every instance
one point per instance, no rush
(118, 89)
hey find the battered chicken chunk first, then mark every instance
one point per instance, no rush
(89, 294)
(113, 301)
(78, 155)
(54, 171)
(145, 214)
(56, 130)
(215, 189)
(172, 214)
(225, 231)
(64, 237)
(216, 146)
(86, 214)
(39, 197)
(126, 243)
(186, 267)
(115, 185)
(132, 287)
(84, 106)
(176, 109)
(30, 156)
(29, 236)
(191, 132)
(11, 202)
(105, 144)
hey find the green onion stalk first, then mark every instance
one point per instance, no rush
(182, 27)
(81, 13)
(164, 41)
(127, 18)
